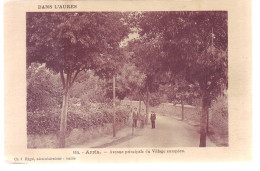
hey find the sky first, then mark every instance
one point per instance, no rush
(131, 36)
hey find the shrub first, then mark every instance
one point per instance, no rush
(219, 121)
(42, 123)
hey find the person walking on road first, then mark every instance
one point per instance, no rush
(153, 118)
(141, 118)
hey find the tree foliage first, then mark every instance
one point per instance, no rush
(194, 43)
(185, 52)
(43, 89)
(71, 42)
(90, 88)
(128, 82)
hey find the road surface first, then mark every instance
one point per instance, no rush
(168, 132)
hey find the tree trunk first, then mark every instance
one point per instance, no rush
(67, 83)
(147, 106)
(203, 122)
(182, 110)
(63, 120)
(140, 105)
(207, 121)
(114, 106)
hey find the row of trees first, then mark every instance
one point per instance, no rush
(187, 50)
(193, 44)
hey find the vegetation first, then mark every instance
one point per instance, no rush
(176, 57)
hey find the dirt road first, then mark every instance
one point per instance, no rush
(169, 132)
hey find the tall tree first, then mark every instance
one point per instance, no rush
(146, 57)
(69, 43)
(209, 65)
(195, 43)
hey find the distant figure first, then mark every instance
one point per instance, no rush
(141, 118)
(153, 118)
(135, 117)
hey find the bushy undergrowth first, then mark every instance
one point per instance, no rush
(219, 123)
(40, 123)
(220, 107)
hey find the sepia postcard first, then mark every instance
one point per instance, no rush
(127, 81)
